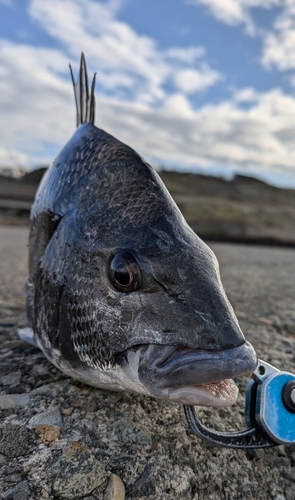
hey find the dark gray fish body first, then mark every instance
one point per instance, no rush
(122, 293)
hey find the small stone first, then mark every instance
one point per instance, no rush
(86, 404)
(266, 321)
(68, 411)
(131, 432)
(47, 433)
(14, 440)
(12, 378)
(290, 492)
(20, 492)
(12, 400)
(144, 485)
(115, 489)
(44, 494)
(52, 416)
(218, 482)
(288, 475)
(83, 389)
(80, 472)
(52, 388)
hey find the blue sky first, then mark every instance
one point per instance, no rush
(197, 85)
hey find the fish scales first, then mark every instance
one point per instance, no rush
(122, 294)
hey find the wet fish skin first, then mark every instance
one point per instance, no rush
(98, 200)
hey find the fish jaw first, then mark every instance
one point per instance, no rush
(218, 394)
(189, 376)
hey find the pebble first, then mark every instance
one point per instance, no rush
(14, 440)
(12, 378)
(47, 433)
(20, 492)
(115, 489)
(52, 388)
(44, 494)
(131, 432)
(80, 472)
(144, 485)
(68, 411)
(290, 492)
(13, 400)
(52, 416)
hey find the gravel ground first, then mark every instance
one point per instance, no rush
(62, 439)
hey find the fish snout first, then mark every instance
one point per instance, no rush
(193, 376)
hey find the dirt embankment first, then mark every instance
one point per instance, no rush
(17, 196)
(243, 210)
(62, 439)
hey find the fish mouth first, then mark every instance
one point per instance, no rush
(217, 394)
(191, 376)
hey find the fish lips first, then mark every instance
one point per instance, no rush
(192, 376)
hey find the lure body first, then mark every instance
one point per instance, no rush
(123, 294)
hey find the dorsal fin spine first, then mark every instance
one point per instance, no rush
(85, 102)
(92, 100)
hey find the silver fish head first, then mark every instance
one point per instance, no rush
(124, 295)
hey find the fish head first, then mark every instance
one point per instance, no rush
(161, 299)
(124, 295)
(136, 299)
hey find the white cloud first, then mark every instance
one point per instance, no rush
(34, 98)
(187, 55)
(12, 158)
(234, 12)
(279, 44)
(122, 57)
(250, 131)
(229, 11)
(35, 89)
(247, 94)
(260, 137)
(38, 109)
(191, 80)
(278, 50)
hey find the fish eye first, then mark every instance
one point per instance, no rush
(125, 272)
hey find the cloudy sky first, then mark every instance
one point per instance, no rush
(204, 85)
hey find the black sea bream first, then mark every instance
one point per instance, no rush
(122, 294)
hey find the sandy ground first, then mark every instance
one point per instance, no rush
(144, 443)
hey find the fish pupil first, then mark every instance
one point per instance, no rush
(125, 272)
(121, 275)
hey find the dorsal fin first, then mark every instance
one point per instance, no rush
(85, 103)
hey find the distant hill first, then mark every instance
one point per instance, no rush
(34, 177)
(17, 195)
(242, 210)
